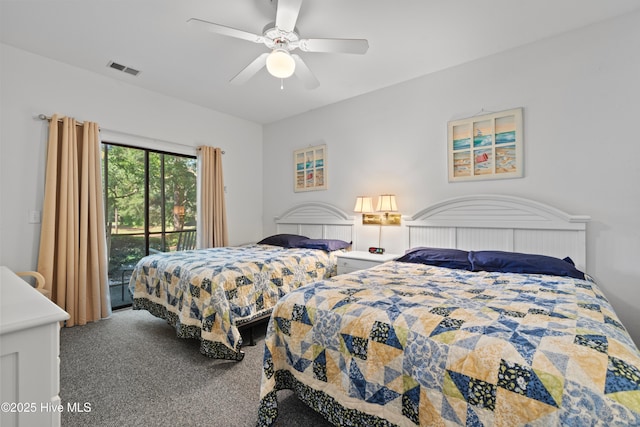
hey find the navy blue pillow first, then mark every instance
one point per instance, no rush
(441, 257)
(328, 245)
(514, 262)
(284, 240)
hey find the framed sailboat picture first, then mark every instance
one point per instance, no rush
(487, 146)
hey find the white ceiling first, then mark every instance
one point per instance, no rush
(407, 39)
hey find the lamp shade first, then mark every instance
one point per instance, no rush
(280, 64)
(387, 203)
(363, 204)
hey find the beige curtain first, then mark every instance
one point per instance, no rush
(213, 215)
(73, 253)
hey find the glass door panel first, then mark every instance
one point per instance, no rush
(150, 204)
(124, 186)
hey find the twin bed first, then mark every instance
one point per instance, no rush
(478, 333)
(460, 336)
(210, 294)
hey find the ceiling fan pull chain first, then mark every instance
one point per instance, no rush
(281, 84)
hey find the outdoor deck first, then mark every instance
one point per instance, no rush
(120, 295)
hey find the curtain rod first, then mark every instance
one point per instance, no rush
(48, 118)
(80, 123)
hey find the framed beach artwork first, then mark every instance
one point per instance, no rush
(310, 168)
(487, 146)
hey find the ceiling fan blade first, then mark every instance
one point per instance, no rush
(287, 14)
(359, 46)
(304, 73)
(250, 70)
(225, 31)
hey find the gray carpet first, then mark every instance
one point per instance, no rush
(131, 369)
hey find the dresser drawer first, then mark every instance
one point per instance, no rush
(349, 265)
(359, 260)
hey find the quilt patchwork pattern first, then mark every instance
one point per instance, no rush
(208, 293)
(410, 344)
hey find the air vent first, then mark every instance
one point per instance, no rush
(123, 68)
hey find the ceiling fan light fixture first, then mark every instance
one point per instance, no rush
(280, 64)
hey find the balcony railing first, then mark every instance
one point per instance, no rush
(126, 249)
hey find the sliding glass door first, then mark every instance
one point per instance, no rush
(150, 203)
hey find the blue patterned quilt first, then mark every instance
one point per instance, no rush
(409, 344)
(208, 293)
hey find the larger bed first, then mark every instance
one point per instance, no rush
(415, 344)
(209, 294)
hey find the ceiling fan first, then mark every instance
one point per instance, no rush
(282, 37)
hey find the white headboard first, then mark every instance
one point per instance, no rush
(317, 220)
(495, 222)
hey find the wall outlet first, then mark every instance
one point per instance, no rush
(34, 217)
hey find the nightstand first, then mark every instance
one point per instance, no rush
(359, 260)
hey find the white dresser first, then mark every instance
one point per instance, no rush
(29, 354)
(359, 260)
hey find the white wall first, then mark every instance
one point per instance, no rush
(32, 84)
(581, 98)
